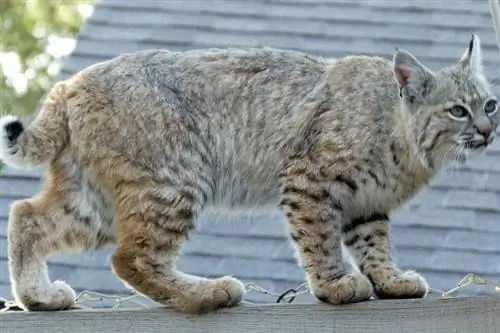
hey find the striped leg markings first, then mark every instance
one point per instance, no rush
(314, 217)
(368, 242)
(154, 221)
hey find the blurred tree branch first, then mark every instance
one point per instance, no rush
(27, 29)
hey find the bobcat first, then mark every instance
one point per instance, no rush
(137, 146)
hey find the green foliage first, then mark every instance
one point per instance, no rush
(26, 28)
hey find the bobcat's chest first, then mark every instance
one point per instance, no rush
(385, 189)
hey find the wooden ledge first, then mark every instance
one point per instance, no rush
(458, 315)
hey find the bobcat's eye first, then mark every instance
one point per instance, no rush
(491, 107)
(458, 112)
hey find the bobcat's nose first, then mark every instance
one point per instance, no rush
(486, 133)
(483, 127)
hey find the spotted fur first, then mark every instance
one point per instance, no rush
(137, 146)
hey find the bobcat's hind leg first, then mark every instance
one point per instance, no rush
(38, 227)
(153, 223)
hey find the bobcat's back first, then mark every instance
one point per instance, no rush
(240, 112)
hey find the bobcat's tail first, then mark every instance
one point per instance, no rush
(43, 139)
(495, 15)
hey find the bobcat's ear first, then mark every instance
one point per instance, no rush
(471, 59)
(409, 72)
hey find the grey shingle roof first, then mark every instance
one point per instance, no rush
(450, 229)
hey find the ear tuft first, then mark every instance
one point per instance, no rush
(471, 59)
(471, 43)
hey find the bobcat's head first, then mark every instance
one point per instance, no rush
(454, 111)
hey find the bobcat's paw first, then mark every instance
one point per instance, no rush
(59, 296)
(207, 295)
(405, 285)
(349, 288)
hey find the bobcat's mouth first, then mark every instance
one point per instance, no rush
(476, 144)
(468, 148)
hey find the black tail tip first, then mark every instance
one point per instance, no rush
(13, 129)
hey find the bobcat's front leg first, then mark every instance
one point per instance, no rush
(314, 217)
(368, 241)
